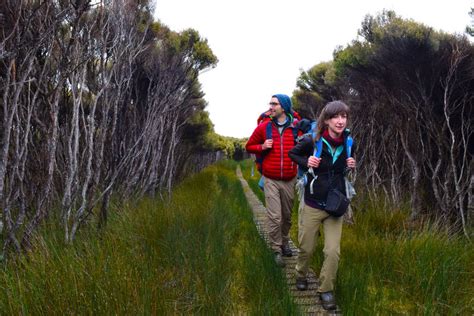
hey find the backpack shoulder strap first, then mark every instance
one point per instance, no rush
(268, 135)
(268, 131)
(348, 143)
(313, 128)
(318, 147)
(295, 134)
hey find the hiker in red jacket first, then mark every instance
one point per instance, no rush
(263, 119)
(279, 172)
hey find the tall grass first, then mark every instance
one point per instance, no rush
(389, 266)
(252, 176)
(199, 253)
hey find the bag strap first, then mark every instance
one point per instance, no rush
(268, 131)
(318, 149)
(268, 135)
(295, 134)
(349, 143)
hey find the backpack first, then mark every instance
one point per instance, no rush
(318, 149)
(306, 126)
(302, 180)
(264, 118)
(268, 135)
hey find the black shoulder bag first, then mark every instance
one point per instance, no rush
(337, 202)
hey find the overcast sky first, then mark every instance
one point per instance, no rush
(263, 44)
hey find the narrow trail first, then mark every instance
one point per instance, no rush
(308, 300)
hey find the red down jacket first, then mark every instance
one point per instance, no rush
(276, 165)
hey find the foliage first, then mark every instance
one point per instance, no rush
(99, 98)
(314, 89)
(470, 29)
(391, 265)
(410, 89)
(200, 253)
(252, 176)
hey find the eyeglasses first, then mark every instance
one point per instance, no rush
(274, 103)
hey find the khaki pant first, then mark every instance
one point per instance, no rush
(279, 197)
(308, 225)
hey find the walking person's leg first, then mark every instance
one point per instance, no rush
(332, 246)
(309, 226)
(273, 217)
(287, 194)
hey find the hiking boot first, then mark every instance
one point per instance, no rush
(286, 250)
(301, 284)
(279, 260)
(328, 300)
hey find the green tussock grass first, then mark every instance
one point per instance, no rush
(391, 266)
(200, 254)
(252, 176)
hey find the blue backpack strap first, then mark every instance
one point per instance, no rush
(268, 135)
(313, 128)
(318, 147)
(295, 134)
(268, 131)
(349, 143)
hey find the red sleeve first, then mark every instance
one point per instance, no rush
(256, 140)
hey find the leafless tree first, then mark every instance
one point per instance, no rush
(95, 98)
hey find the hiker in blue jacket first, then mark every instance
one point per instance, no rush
(326, 157)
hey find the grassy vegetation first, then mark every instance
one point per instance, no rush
(390, 267)
(251, 174)
(200, 253)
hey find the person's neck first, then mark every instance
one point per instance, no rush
(334, 135)
(282, 118)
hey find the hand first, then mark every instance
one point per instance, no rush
(267, 144)
(351, 163)
(313, 162)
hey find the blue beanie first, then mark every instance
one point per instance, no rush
(285, 102)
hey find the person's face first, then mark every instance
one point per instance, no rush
(275, 107)
(337, 124)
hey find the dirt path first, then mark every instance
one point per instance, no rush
(308, 301)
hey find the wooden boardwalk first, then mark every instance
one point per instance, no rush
(308, 300)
